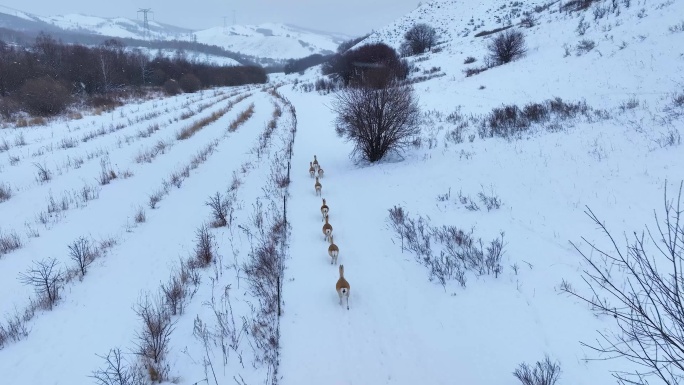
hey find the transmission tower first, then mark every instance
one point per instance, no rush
(146, 24)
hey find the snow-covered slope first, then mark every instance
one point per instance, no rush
(269, 40)
(279, 41)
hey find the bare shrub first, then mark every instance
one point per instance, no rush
(81, 252)
(509, 120)
(543, 373)
(140, 216)
(9, 242)
(677, 27)
(175, 292)
(584, 46)
(118, 371)
(154, 337)
(107, 174)
(44, 96)
(506, 47)
(528, 21)
(265, 270)
(458, 251)
(190, 83)
(5, 192)
(469, 60)
(204, 246)
(46, 278)
(640, 288)
(171, 87)
(491, 201)
(221, 207)
(474, 71)
(420, 38)
(155, 198)
(43, 174)
(4, 145)
(377, 121)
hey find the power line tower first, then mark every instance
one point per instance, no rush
(146, 24)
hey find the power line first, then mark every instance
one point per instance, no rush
(146, 24)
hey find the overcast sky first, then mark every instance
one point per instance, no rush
(353, 17)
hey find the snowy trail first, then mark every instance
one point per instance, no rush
(370, 342)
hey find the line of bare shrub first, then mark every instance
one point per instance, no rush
(458, 252)
(192, 129)
(48, 279)
(510, 120)
(242, 118)
(177, 177)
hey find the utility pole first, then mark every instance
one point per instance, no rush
(146, 24)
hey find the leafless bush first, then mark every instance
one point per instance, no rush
(509, 120)
(175, 293)
(154, 337)
(506, 47)
(491, 201)
(44, 96)
(81, 252)
(377, 121)
(458, 251)
(641, 289)
(584, 46)
(140, 216)
(468, 202)
(671, 138)
(44, 174)
(5, 192)
(204, 246)
(418, 39)
(543, 373)
(46, 278)
(4, 146)
(155, 198)
(528, 21)
(474, 71)
(118, 371)
(88, 193)
(469, 60)
(677, 27)
(190, 83)
(107, 174)
(9, 242)
(221, 207)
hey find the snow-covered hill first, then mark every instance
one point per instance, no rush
(269, 40)
(616, 158)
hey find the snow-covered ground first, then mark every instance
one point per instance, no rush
(401, 327)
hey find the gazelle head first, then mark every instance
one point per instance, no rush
(323, 201)
(341, 271)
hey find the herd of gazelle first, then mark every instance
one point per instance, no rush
(342, 287)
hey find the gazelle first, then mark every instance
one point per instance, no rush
(343, 287)
(312, 170)
(333, 251)
(324, 210)
(318, 187)
(320, 172)
(315, 163)
(327, 230)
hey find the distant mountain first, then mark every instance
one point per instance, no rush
(264, 43)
